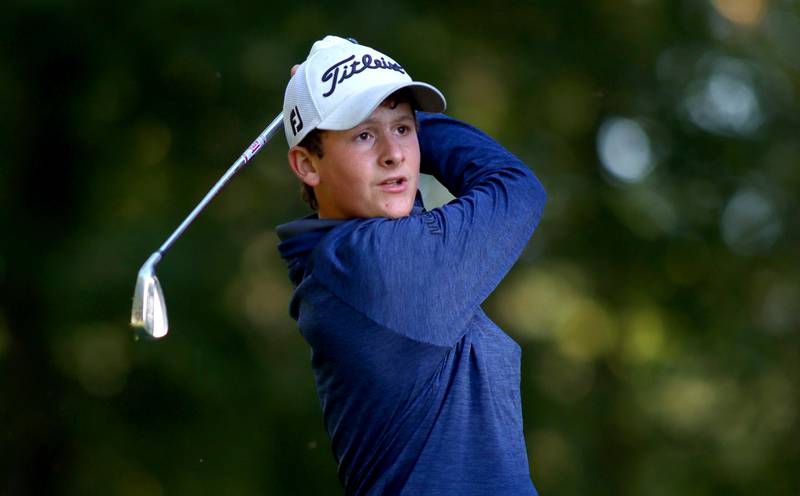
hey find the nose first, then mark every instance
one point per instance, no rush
(391, 152)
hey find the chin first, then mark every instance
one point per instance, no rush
(399, 211)
(395, 215)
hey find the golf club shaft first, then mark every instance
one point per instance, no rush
(248, 154)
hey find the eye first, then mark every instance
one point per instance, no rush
(363, 136)
(403, 129)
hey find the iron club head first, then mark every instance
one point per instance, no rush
(149, 312)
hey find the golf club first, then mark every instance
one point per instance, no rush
(149, 312)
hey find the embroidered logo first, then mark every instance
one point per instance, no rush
(295, 120)
(341, 70)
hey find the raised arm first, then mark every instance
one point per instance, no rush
(425, 275)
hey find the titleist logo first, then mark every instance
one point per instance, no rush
(340, 71)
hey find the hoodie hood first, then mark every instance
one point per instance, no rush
(298, 239)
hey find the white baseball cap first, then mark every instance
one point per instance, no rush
(341, 83)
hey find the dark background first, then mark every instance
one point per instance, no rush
(657, 305)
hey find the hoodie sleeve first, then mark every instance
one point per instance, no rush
(425, 275)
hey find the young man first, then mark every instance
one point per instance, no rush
(419, 389)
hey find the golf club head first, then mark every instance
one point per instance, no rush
(149, 312)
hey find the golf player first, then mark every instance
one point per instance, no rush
(420, 391)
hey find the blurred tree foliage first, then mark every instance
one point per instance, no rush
(657, 305)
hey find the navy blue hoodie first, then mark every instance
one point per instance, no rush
(419, 389)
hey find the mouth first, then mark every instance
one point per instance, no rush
(396, 184)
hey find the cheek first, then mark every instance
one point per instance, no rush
(337, 171)
(413, 159)
(412, 155)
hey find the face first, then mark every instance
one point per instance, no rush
(371, 170)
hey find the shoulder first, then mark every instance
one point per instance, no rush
(372, 240)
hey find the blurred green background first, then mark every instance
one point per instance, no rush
(657, 305)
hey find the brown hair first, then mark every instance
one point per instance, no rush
(313, 142)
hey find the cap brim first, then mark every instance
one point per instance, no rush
(357, 107)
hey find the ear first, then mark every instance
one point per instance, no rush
(304, 165)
